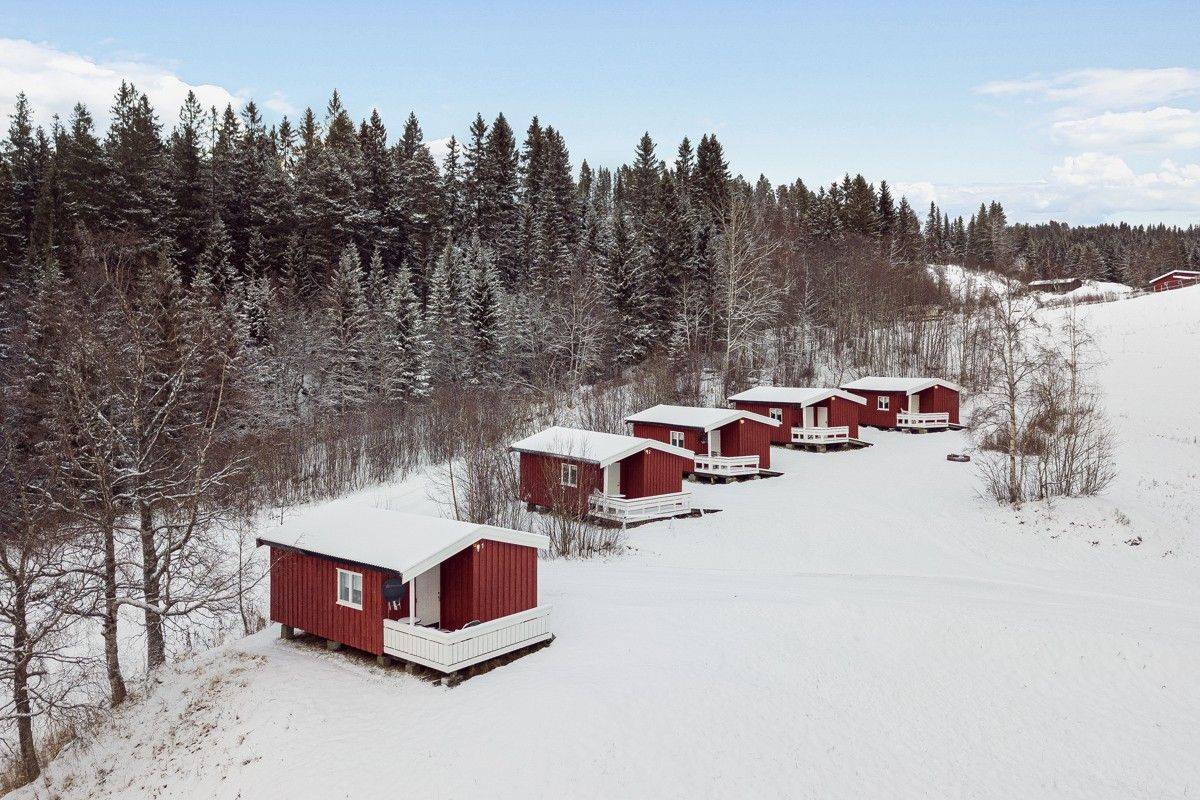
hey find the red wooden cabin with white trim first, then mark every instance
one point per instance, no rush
(912, 404)
(437, 592)
(606, 475)
(1175, 279)
(728, 442)
(810, 417)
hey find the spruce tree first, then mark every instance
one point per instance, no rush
(189, 186)
(404, 365)
(345, 366)
(500, 213)
(483, 318)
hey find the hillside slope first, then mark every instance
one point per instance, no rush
(864, 625)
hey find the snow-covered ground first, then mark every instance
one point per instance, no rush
(866, 625)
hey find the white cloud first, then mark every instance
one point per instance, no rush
(1081, 189)
(278, 103)
(438, 148)
(1101, 89)
(1157, 129)
(55, 80)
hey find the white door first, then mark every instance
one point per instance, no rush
(714, 442)
(429, 595)
(612, 479)
(822, 417)
(808, 416)
(914, 403)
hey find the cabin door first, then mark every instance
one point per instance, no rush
(914, 403)
(428, 589)
(822, 417)
(612, 479)
(808, 417)
(714, 442)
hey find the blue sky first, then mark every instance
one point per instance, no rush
(1072, 111)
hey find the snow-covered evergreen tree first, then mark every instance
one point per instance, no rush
(344, 383)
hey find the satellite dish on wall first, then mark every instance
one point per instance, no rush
(393, 590)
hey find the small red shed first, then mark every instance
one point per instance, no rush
(607, 475)
(810, 417)
(1175, 279)
(727, 442)
(437, 592)
(912, 404)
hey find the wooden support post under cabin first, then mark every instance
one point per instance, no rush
(383, 660)
(692, 477)
(330, 644)
(410, 668)
(287, 632)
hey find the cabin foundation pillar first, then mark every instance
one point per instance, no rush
(692, 477)
(383, 660)
(330, 644)
(287, 632)
(410, 668)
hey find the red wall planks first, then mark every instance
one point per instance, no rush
(745, 437)
(693, 438)
(487, 583)
(871, 413)
(304, 595)
(841, 412)
(649, 472)
(939, 398)
(541, 482)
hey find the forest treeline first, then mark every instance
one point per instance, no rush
(505, 260)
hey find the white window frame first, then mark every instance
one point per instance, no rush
(569, 474)
(677, 439)
(347, 579)
(883, 403)
(777, 414)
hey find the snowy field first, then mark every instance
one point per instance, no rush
(866, 625)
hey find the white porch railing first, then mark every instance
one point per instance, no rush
(933, 419)
(726, 465)
(835, 435)
(448, 651)
(623, 509)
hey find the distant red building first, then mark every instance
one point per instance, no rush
(808, 416)
(727, 442)
(1175, 279)
(437, 592)
(914, 404)
(607, 475)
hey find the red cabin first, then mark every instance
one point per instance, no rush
(437, 592)
(607, 475)
(1175, 279)
(809, 417)
(912, 404)
(728, 442)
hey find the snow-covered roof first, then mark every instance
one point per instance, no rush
(695, 417)
(591, 446)
(798, 395)
(1187, 273)
(377, 537)
(876, 383)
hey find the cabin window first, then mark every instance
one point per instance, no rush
(777, 414)
(677, 439)
(570, 475)
(349, 589)
(883, 403)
